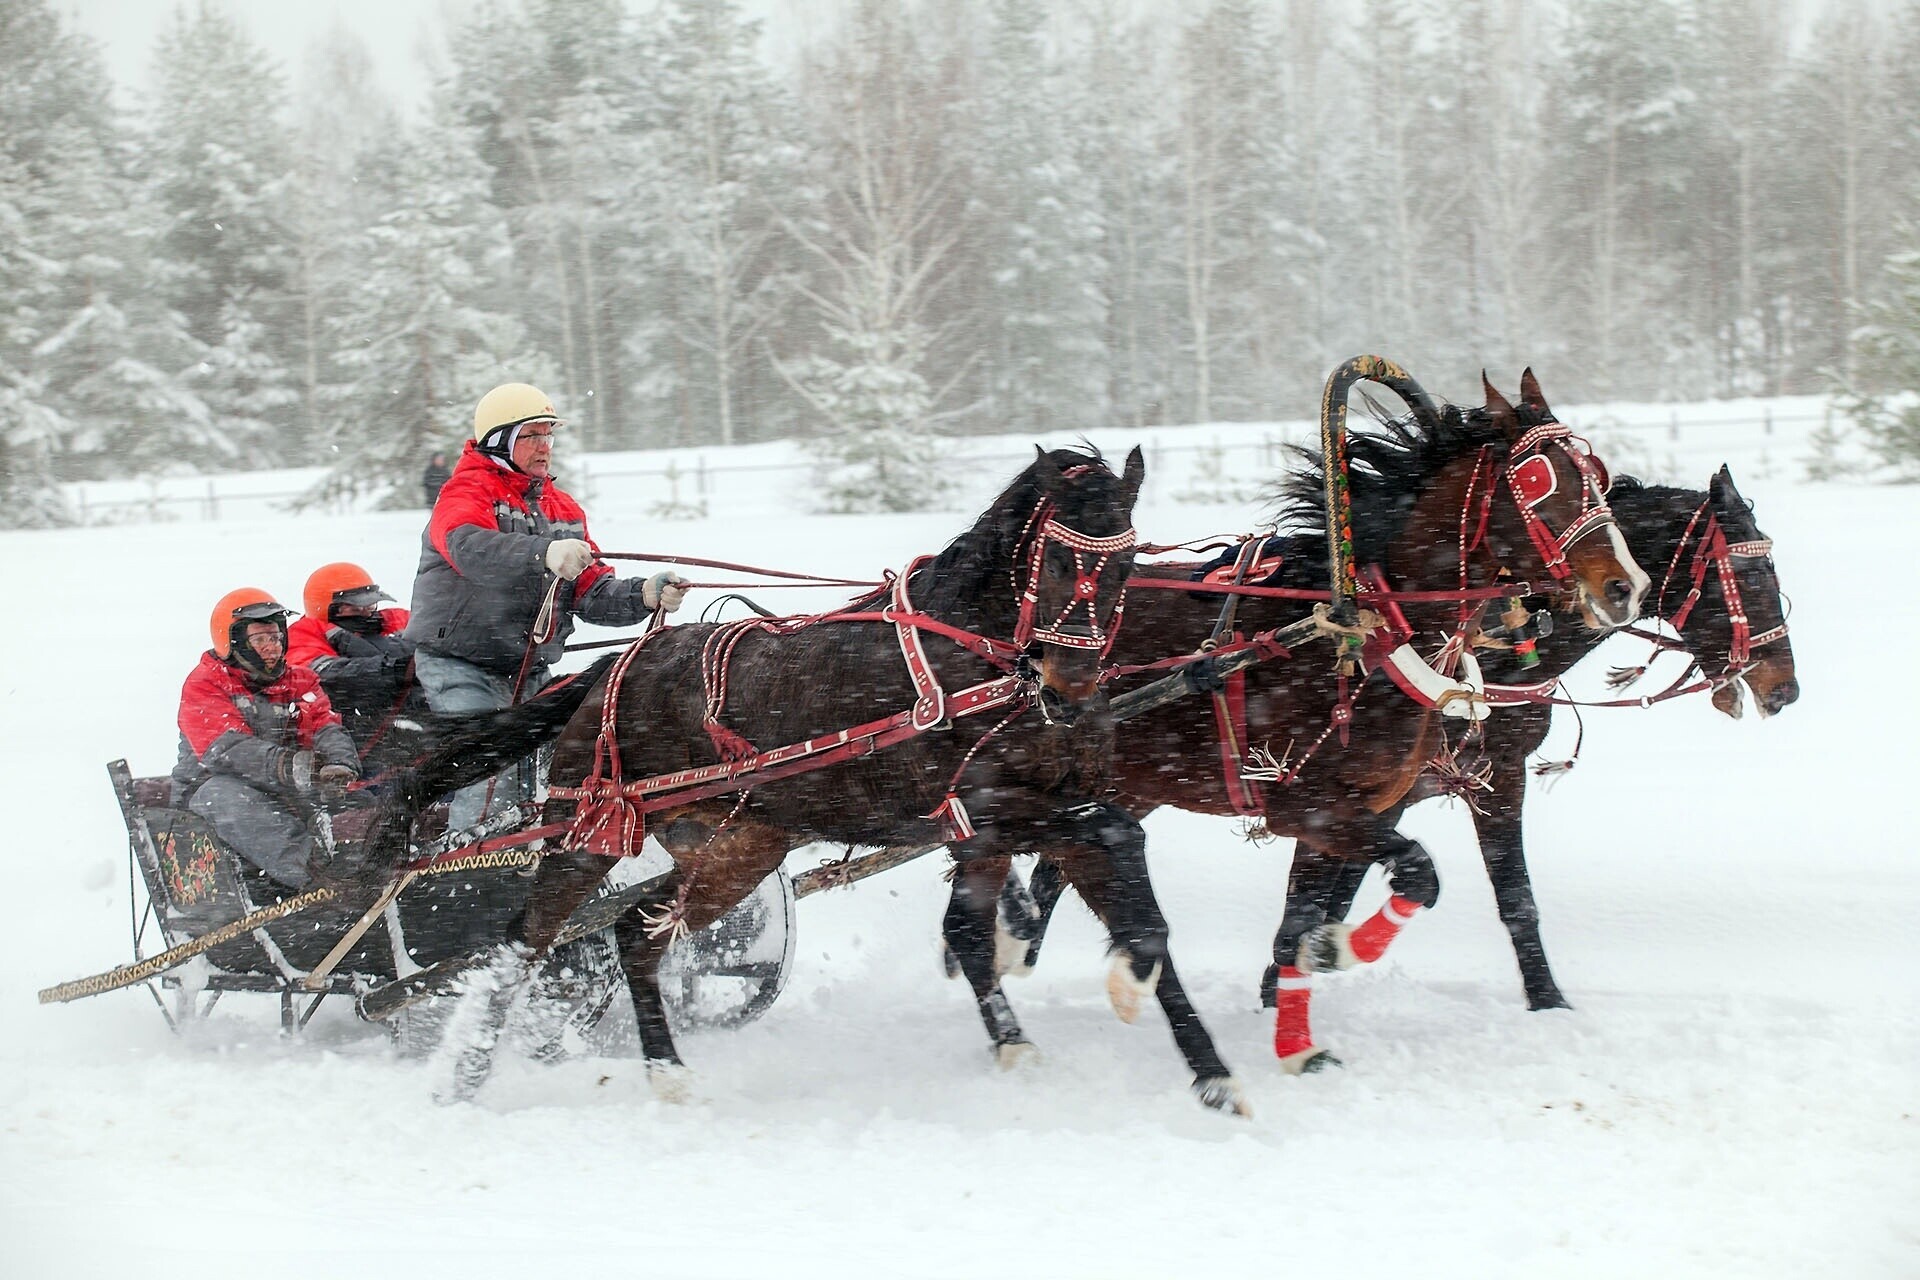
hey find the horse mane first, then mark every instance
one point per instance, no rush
(1389, 468)
(960, 574)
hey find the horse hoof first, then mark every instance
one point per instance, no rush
(1126, 992)
(1222, 1093)
(1309, 1062)
(1328, 949)
(1548, 1000)
(1016, 1054)
(670, 1081)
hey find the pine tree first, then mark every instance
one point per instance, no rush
(429, 326)
(1042, 259)
(218, 152)
(1881, 399)
(883, 177)
(89, 359)
(724, 163)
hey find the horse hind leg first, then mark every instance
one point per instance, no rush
(969, 931)
(485, 999)
(719, 868)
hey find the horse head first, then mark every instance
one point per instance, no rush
(1744, 641)
(1071, 563)
(1556, 500)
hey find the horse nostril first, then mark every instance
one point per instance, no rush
(1055, 706)
(1787, 691)
(1619, 594)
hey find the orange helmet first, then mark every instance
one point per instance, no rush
(340, 583)
(230, 618)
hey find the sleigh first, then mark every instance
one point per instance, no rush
(224, 927)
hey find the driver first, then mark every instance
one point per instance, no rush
(259, 742)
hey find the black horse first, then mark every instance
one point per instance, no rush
(1035, 585)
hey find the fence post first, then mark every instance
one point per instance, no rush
(213, 502)
(700, 474)
(1673, 424)
(1767, 418)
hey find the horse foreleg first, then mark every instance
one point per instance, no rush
(1109, 869)
(970, 932)
(1503, 848)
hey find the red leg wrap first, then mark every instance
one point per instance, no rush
(1372, 937)
(1291, 1031)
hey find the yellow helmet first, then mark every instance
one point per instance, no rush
(508, 406)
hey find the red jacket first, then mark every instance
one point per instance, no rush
(228, 724)
(312, 640)
(483, 569)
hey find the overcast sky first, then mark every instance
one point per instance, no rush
(401, 34)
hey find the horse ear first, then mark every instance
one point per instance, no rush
(1135, 472)
(1498, 406)
(1530, 391)
(1723, 491)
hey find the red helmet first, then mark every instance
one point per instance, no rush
(230, 619)
(339, 583)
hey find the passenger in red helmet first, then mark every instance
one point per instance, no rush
(356, 648)
(259, 743)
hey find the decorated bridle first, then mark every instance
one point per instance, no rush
(1713, 549)
(1531, 479)
(1091, 558)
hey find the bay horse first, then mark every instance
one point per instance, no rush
(1720, 594)
(695, 699)
(1423, 517)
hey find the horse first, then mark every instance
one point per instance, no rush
(1720, 594)
(1424, 513)
(1045, 565)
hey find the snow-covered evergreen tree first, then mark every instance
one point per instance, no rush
(431, 323)
(88, 355)
(725, 158)
(883, 175)
(217, 149)
(1883, 398)
(1042, 237)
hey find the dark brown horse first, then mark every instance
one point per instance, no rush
(1045, 567)
(1420, 515)
(1721, 595)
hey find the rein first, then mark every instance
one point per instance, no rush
(610, 818)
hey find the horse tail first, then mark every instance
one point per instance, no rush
(446, 752)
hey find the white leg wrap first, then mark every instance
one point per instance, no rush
(1328, 949)
(1009, 955)
(1019, 1054)
(1127, 992)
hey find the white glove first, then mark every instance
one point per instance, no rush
(568, 558)
(664, 590)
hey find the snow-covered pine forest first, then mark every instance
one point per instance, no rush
(977, 216)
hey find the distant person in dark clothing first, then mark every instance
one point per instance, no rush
(435, 476)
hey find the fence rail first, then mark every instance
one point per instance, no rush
(1198, 464)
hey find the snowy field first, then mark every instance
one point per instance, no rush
(1728, 904)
